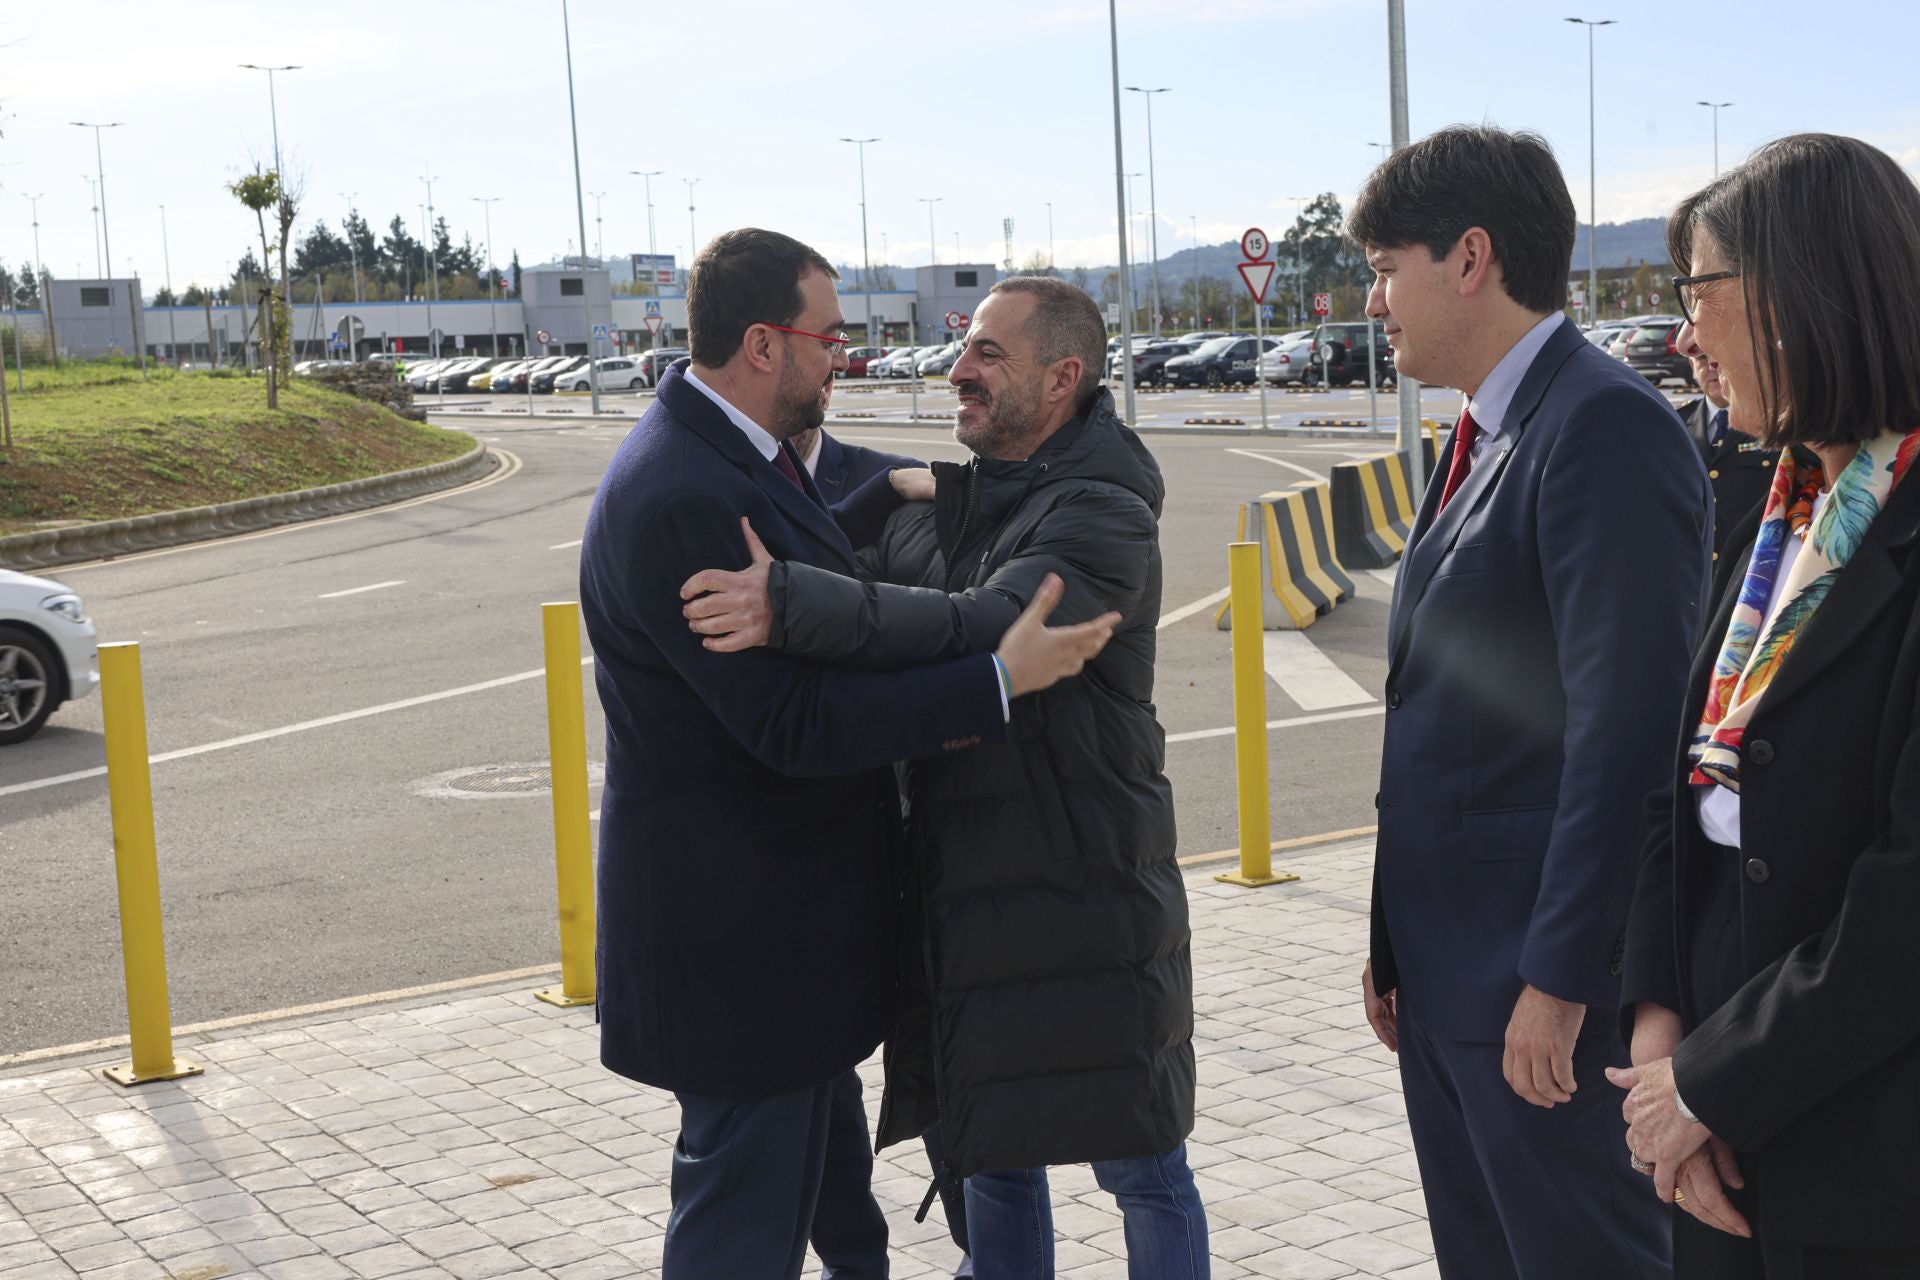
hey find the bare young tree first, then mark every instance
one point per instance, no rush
(260, 191)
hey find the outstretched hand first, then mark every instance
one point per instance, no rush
(731, 610)
(1038, 656)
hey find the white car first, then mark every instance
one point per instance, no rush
(47, 653)
(617, 373)
(1288, 360)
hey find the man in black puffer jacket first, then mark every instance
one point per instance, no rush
(1047, 983)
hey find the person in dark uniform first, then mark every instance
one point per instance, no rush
(1739, 467)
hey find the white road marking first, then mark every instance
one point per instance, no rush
(354, 591)
(562, 546)
(1290, 723)
(264, 735)
(1188, 610)
(1389, 575)
(1279, 462)
(1307, 675)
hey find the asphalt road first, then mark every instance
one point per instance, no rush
(305, 861)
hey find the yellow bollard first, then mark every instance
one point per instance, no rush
(143, 947)
(572, 839)
(1250, 721)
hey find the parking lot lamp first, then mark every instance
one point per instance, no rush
(866, 261)
(580, 208)
(693, 236)
(1716, 132)
(648, 178)
(353, 250)
(1593, 182)
(1153, 210)
(1120, 199)
(166, 263)
(106, 233)
(486, 204)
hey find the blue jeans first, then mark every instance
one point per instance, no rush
(1010, 1219)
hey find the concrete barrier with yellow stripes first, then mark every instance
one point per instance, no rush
(1302, 577)
(1372, 509)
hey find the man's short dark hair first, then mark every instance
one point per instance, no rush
(1507, 184)
(1825, 232)
(744, 277)
(1066, 321)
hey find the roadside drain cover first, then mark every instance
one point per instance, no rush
(496, 782)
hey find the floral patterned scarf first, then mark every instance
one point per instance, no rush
(1753, 651)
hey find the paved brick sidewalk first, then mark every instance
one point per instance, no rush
(479, 1137)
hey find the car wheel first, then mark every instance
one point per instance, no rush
(1214, 379)
(1311, 378)
(28, 689)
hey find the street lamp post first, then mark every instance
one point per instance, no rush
(1593, 182)
(693, 235)
(433, 264)
(486, 204)
(280, 172)
(166, 262)
(866, 261)
(1049, 235)
(1406, 390)
(1716, 132)
(106, 233)
(93, 203)
(353, 250)
(580, 209)
(1120, 199)
(933, 251)
(648, 178)
(1153, 209)
(599, 229)
(1133, 259)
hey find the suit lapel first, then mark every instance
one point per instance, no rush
(830, 472)
(693, 410)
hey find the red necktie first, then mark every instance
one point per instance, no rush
(1463, 436)
(785, 463)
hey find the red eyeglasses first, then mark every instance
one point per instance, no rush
(835, 342)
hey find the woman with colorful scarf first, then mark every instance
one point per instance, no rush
(1772, 983)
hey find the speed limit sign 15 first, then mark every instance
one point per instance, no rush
(1253, 244)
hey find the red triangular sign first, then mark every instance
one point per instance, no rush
(1258, 276)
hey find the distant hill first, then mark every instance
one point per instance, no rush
(1618, 244)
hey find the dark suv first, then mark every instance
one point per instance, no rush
(1651, 352)
(1341, 350)
(1150, 361)
(1217, 363)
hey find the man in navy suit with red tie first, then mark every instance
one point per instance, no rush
(1539, 640)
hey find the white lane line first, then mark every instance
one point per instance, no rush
(1389, 575)
(1188, 610)
(1307, 675)
(562, 546)
(354, 591)
(1289, 723)
(1279, 462)
(264, 735)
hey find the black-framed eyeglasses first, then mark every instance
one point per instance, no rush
(1683, 288)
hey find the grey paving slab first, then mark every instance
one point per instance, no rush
(478, 1137)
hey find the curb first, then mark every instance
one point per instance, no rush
(109, 538)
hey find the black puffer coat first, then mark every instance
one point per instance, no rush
(1047, 979)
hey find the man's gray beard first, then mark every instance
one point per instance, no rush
(1012, 417)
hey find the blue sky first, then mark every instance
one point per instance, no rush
(996, 106)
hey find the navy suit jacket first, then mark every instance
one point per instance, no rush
(843, 470)
(1539, 643)
(748, 861)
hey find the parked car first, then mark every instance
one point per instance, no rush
(1617, 347)
(1651, 351)
(860, 360)
(616, 373)
(1217, 363)
(897, 363)
(1150, 361)
(453, 376)
(1289, 360)
(1207, 335)
(418, 375)
(501, 379)
(938, 360)
(1341, 349)
(1603, 335)
(462, 379)
(47, 653)
(541, 381)
(656, 362)
(522, 377)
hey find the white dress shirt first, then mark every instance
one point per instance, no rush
(1489, 405)
(761, 438)
(1718, 807)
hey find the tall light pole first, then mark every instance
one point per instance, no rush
(273, 115)
(1153, 205)
(486, 204)
(433, 264)
(1384, 149)
(1406, 389)
(933, 252)
(106, 232)
(599, 229)
(1716, 132)
(866, 261)
(33, 202)
(580, 208)
(1120, 199)
(353, 250)
(93, 197)
(693, 236)
(648, 178)
(166, 262)
(1593, 181)
(1049, 235)
(1299, 267)
(1134, 259)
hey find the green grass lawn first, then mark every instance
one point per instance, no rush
(96, 442)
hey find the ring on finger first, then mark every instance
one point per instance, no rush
(1639, 1165)
(1679, 1196)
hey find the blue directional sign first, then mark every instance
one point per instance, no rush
(653, 307)
(600, 332)
(1266, 312)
